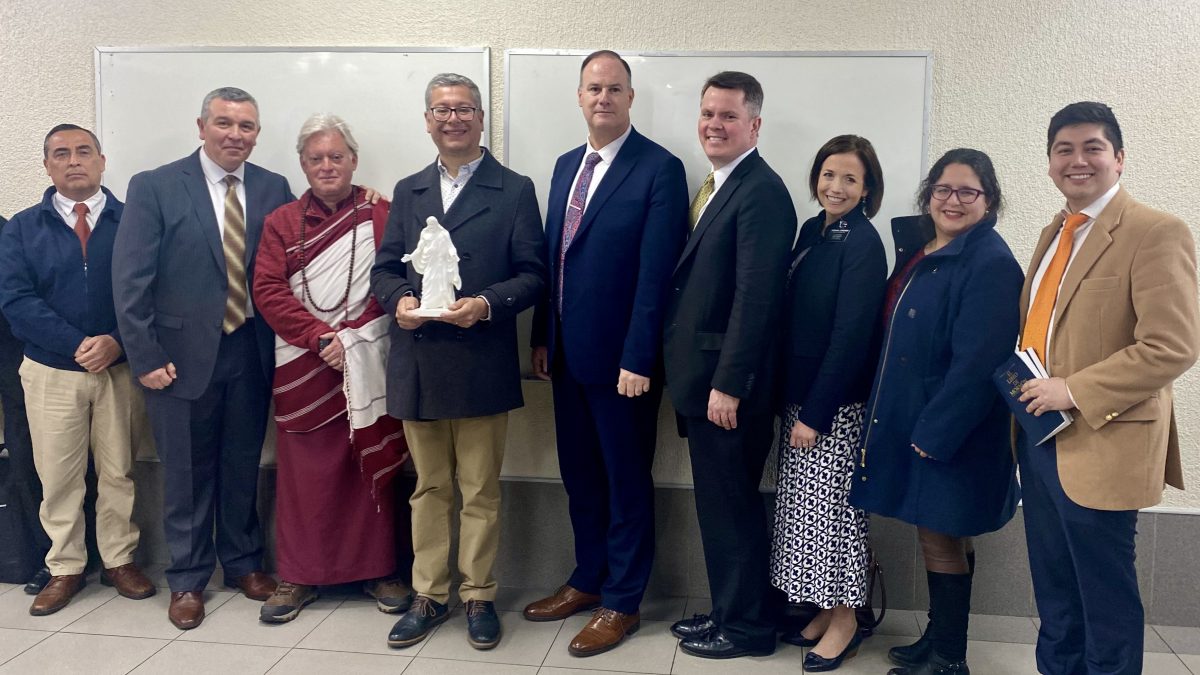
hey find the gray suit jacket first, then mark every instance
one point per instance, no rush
(441, 371)
(169, 278)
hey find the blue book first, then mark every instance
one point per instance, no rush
(1018, 369)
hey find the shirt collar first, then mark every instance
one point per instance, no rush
(1092, 211)
(464, 172)
(215, 174)
(722, 174)
(66, 206)
(609, 152)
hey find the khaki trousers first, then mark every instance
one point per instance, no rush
(467, 452)
(68, 411)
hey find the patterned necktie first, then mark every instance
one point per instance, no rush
(575, 216)
(234, 243)
(1037, 325)
(81, 226)
(706, 190)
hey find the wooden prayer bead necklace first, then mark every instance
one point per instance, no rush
(353, 251)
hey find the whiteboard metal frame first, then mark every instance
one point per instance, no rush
(925, 54)
(99, 52)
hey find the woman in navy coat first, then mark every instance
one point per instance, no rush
(839, 270)
(935, 449)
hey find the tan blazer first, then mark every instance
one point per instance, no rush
(1126, 325)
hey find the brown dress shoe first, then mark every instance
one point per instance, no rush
(605, 631)
(187, 609)
(129, 581)
(256, 585)
(57, 593)
(565, 602)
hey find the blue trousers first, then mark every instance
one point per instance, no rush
(1084, 580)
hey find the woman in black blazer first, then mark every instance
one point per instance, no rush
(834, 292)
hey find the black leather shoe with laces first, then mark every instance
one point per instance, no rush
(697, 626)
(483, 626)
(417, 622)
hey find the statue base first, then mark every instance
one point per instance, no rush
(429, 312)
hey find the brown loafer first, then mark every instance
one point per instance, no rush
(187, 609)
(605, 631)
(256, 585)
(565, 602)
(129, 581)
(57, 593)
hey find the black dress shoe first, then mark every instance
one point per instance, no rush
(714, 645)
(795, 637)
(815, 663)
(697, 626)
(417, 622)
(913, 655)
(936, 665)
(483, 626)
(38, 582)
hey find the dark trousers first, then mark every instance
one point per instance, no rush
(24, 487)
(1084, 580)
(727, 468)
(210, 450)
(605, 453)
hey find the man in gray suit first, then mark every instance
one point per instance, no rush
(454, 378)
(181, 265)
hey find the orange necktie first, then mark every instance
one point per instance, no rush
(81, 226)
(1037, 326)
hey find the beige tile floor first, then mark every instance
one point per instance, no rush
(100, 632)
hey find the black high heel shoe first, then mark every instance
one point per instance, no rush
(815, 663)
(795, 637)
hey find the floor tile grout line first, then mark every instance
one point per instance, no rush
(150, 655)
(553, 640)
(46, 635)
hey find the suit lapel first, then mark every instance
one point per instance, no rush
(556, 205)
(255, 212)
(717, 203)
(1099, 239)
(197, 189)
(475, 196)
(428, 198)
(1039, 252)
(622, 164)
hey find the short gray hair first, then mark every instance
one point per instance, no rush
(322, 122)
(453, 80)
(231, 94)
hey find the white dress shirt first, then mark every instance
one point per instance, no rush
(452, 186)
(607, 154)
(66, 208)
(214, 176)
(720, 176)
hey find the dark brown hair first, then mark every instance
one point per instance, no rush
(862, 148)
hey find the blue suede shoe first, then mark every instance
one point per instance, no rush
(416, 624)
(483, 626)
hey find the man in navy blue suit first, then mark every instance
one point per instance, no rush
(618, 202)
(181, 265)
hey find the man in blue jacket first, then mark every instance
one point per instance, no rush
(620, 200)
(56, 291)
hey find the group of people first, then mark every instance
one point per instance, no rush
(213, 286)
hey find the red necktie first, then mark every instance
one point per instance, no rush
(575, 216)
(81, 226)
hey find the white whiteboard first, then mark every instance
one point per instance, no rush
(810, 97)
(148, 99)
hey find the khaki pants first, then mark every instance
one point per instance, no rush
(471, 451)
(68, 411)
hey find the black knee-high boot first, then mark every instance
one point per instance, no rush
(918, 652)
(950, 601)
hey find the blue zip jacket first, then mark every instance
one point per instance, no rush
(51, 299)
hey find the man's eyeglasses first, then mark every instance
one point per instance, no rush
(965, 195)
(442, 114)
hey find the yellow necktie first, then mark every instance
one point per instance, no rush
(234, 243)
(1037, 325)
(706, 190)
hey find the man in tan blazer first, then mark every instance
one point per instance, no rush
(1110, 303)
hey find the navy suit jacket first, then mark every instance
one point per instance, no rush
(618, 267)
(169, 278)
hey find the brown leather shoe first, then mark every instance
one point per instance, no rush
(605, 631)
(256, 585)
(129, 581)
(57, 593)
(187, 609)
(565, 602)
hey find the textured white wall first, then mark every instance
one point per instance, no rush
(1001, 69)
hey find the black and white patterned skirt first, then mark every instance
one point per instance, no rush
(819, 552)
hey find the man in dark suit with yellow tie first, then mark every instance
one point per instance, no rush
(721, 316)
(1110, 305)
